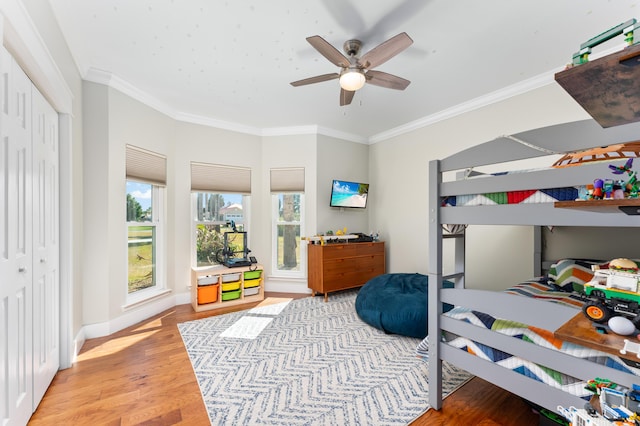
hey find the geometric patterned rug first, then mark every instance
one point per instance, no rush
(314, 363)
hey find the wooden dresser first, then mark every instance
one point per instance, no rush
(337, 266)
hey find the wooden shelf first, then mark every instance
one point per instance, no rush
(581, 331)
(608, 87)
(217, 272)
(628, 206)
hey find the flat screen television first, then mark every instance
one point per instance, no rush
(349, 194)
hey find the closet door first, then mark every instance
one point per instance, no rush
(16, 360)
(46, 297)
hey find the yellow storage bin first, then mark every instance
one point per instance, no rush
(207, 294)
(231, 295)
(231, 286)
(251, 283)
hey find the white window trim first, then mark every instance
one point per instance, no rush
(158, 207)
(275, 272)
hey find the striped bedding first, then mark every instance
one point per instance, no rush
(516, 197)
(533, 335)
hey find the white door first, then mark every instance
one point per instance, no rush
(16, 362)
(46, 296)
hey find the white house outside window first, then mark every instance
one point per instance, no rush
(220, 197)
(214, 214)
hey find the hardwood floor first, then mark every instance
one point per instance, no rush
(142, 376)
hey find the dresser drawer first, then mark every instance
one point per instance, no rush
(364, 249)
(341, 280)
(338, 251)
(369, 263)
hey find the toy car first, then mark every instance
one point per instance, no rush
(613, 292)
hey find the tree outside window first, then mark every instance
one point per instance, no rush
(288, 230)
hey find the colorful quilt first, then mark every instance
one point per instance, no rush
(533, 335)
(532, 196)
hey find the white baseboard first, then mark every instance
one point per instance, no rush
(153, 307)
(134, 316)
(284, 285)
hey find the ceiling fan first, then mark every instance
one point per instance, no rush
(358, 70)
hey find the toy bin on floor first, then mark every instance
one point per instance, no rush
(207, 293)
(231, 295)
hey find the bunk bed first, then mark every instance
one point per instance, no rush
(450, 178)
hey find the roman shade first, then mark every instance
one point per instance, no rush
(146, 166)
(287, 180)
(207, 177)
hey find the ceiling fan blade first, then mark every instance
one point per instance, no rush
(328, 51)
(385, 51)
(387, 80)
(316, 79)
(346, 96)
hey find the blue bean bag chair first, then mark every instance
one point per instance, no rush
(396, 303)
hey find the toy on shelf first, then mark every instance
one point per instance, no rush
(614, 292)
(626, 29)
(631, 186)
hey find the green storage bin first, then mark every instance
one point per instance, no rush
(231, 295)
(252, 275)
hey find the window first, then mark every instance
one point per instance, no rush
(220, 198)
(215, 214)
(288, 213)
(145, 207)
(142, 234)
(287, 194)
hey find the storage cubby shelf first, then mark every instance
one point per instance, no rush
(245, 285)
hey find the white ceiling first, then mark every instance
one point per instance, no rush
(231, 62)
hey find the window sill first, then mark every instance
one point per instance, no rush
(141, 299)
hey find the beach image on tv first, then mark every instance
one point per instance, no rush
(349, 194)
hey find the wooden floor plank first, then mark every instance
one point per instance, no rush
(142, 376)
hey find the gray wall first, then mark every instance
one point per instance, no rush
(399, 172)
(339, 159)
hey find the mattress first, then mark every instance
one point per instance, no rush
(534, 336)
(530, 196)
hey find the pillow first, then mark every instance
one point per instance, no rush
(571, 274)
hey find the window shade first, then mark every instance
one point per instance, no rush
(216, 178)
(146, 166)
(287, 180)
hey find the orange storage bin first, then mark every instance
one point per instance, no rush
(207, 294)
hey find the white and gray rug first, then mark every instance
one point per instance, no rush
(313, 363)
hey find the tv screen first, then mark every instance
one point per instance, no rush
(349, 194)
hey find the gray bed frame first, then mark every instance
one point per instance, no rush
(550, 316)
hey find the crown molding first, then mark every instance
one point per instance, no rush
(516, 89)
(465, 107)
(20, 36)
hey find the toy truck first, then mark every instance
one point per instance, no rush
(614, 292)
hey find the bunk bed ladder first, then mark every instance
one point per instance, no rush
(436, 278)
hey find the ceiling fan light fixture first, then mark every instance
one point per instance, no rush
(352, 79)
